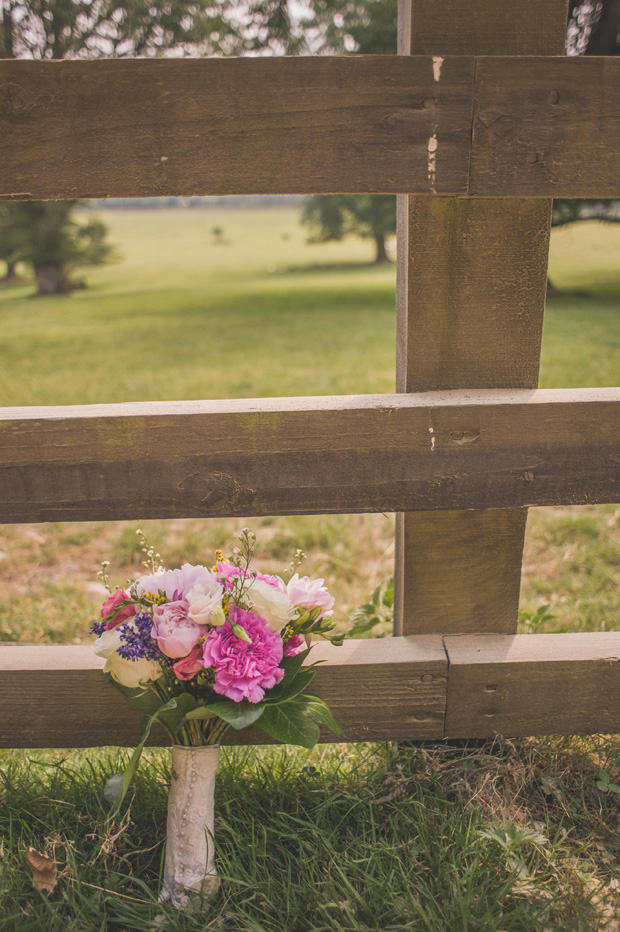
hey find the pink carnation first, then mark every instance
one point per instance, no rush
(293, 645)
(111, 603)
(173, 630)
(244, 670)
(189, 666)
(226, 569)
(310, 593)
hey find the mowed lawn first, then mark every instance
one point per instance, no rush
(507, 836)
(256, 311)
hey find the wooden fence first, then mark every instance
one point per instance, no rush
(476, 125)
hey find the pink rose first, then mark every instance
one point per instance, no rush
(189, 666)
(174, 630)
(111, 603)
(244, 670)
(310, 593)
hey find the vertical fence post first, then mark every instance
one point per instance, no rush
(470, 298)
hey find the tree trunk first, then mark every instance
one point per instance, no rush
(11, 271)
(382, 255)
(51, 279)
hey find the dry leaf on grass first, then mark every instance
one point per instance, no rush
(43, 869)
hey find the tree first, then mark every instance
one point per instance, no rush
(55, 242)
(334, 216)
(366, 27)
(46, 234)
(12, 242)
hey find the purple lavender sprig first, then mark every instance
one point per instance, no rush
(136, 640)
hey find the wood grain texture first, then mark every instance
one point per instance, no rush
(56, 696)
(144, 128)
(541, 684)
(427, 451)
(470, 294)
(546, 127)
(455, 27)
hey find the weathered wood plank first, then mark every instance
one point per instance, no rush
(470, 305)
(470, 295)
(545, 126)
(427, 451)
(483, 26)
(56, 696)
(144, 128)
(541, 684)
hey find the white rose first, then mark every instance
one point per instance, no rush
(205, 598)
(273, 604)
(130, 673)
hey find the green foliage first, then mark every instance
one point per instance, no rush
(334, 216)
(171, 714)
(534, 621)
(48, 236)
(114, 28)
(296, 721)
(604, 782)
(307, 841)
(376, 617)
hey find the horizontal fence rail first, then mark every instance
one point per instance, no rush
(427, 451)
(422, 687)
(230, 126)
(56, 696)
(542, 126)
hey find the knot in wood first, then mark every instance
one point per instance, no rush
(553, 98)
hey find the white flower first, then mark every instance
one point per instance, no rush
(273, 604)
(204, 599)
(130, 673)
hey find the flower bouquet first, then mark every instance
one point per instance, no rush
(200, 650)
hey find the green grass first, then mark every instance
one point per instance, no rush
(343, 839)
(431, 838)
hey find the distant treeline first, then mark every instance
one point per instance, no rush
(233, 200)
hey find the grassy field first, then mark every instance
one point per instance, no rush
(383, 838)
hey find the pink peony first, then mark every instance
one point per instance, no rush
(174, 630)
(310, 593)
(189, 666)
(293, 646)
(243, 670)
(175, 583)
(110, 604)
(226, 569)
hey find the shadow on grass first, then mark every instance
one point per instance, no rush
(334, 267)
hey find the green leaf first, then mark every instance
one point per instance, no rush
(320, 712)
(289, 724)
(295, 721)
(602, 786)
(291, 689)
(145, 700)
(202, 713)
(238, 714)
(173, 718)
(613, 787)
(115, 790)
(604, 776)
(292, 667)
